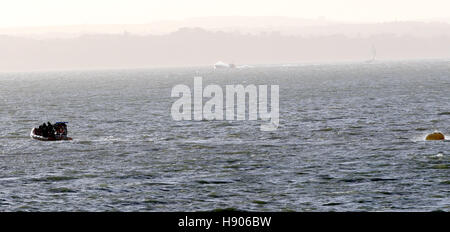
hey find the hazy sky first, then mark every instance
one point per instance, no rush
(15, 13)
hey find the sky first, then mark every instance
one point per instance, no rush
(24, 13)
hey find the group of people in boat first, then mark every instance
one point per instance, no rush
(56, 131)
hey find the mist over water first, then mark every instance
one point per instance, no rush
(350, 139)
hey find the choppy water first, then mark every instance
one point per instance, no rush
(351, 138)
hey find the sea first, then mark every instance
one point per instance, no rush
(350, 138)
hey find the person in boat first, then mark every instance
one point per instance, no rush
(60, 130)
(38, 131)
(44, 130)
(51, 130)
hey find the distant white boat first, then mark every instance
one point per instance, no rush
(289, 65)
(244, 66)
(221, 64)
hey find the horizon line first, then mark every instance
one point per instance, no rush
(319, 18)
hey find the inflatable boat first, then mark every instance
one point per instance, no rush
(42, 138)
(49, 132)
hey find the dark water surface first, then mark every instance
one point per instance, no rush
(351, 138)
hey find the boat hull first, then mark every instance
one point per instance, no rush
(42, 138)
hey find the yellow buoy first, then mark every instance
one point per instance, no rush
(435, 136)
